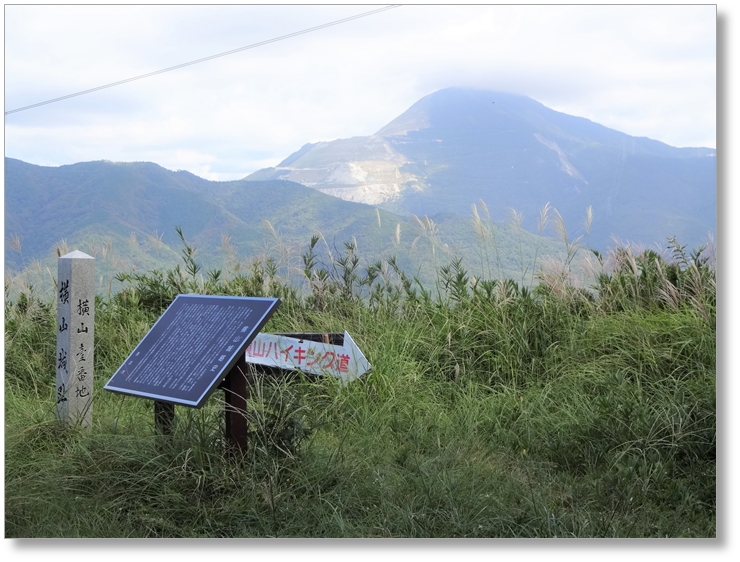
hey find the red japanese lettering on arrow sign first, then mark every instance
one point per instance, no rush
(315, 357)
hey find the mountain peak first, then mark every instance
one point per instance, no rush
(446, 106)
(457, 146)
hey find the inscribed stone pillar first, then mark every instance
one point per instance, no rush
(75, 338)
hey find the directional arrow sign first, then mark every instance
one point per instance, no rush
(310, 353)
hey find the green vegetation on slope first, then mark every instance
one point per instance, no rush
(491, 410)
(126, 214)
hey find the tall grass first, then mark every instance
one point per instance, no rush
(491, 410)
(485, 230)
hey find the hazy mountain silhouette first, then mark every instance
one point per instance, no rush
(126, 213)
(456, 146)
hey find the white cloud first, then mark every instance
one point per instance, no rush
(645, 70)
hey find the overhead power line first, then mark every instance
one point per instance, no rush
(302, 32)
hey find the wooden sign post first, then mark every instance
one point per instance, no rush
(75, 338)
(235, 388)
(202, 343)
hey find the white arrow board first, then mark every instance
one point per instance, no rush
(345, 362)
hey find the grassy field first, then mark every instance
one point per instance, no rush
(491, 410)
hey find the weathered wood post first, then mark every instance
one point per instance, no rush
(75, 338)
(236, 390)
(164, 417)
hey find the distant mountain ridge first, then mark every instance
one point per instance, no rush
(456, 146)
(139, 201)
(126, 213)
(423, 170)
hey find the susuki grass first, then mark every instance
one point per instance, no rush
(491, 410)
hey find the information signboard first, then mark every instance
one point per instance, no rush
(191, 348)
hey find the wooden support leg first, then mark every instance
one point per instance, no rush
(164, 417)
(235, 388)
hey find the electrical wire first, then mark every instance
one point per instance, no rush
(252, 46)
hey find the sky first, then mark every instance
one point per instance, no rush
(643, 70)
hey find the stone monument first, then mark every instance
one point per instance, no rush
(75, 338)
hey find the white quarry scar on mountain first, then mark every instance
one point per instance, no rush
(565, 165)
(373, 180)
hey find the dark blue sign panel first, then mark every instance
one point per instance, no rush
(192, 347)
